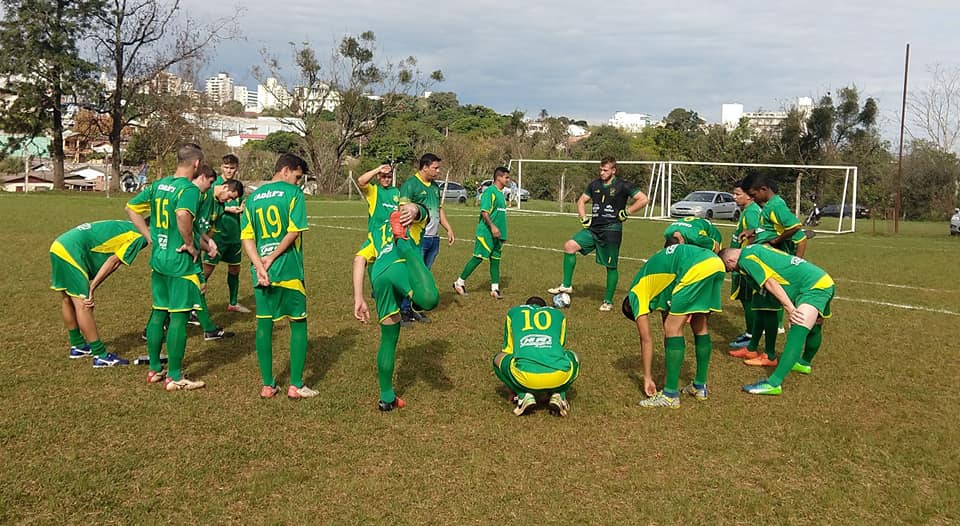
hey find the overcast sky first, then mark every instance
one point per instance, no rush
(587, 59)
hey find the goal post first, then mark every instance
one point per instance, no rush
(840, 182)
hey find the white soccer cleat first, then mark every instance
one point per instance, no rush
(560, 288)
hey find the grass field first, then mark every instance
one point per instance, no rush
(871, 437)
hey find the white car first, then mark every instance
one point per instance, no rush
(707, 204)
(509, 191)
(453, 191)
(955, 222)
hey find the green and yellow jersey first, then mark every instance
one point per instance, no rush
(493, 203)
(416, 190)
(381, 202)
(88, 246)
(749, 220)
(696, 231)
(775, 219)
(674, 280)
(535, 337)
(796, 275)
(226, 225)
(274, 210)
(162, 200)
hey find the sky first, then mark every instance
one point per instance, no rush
(588, 59)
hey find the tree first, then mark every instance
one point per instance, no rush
(935, 110)
(233, 107)
(683, 120)
(136, 41)
(40, 66)
(360, 89)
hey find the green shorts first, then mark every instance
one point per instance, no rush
(486, 247)
(68, 278)
(763, 300)
(819, 298)
(740, 288)
(287, 299)
(536, 383)
(228, 253)
(696, 292)
(605, 242)
(390, 288)
(176, 293)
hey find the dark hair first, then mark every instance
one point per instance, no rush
(234, 185)
(231, 159)
(501, 170)
(291, 161)
(755, 180)
(535, 300)
(627, 309)
(670, 241)
(428, 159)
(187, 153)
(608, 160)
(206, 171)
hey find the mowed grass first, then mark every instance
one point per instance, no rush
(870, 437)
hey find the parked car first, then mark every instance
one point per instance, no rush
(509, 191)
(955, 222)
(707, 204)
(453, 191)
(834, 211)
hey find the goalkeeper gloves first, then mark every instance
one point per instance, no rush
(622, 215)
(585, 221)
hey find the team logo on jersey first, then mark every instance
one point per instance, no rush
(85, 226)
(536, 340)
(613, 191)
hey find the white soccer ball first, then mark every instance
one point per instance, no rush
(561, 301)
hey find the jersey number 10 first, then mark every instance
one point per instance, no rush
(541, 320)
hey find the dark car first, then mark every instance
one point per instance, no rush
(834, 211)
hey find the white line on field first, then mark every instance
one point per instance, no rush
(893, 285)
(899, 305)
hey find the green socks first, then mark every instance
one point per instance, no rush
(425, 293)
(494, 271)
(76, 338)
(97, 348)
(749, 315)
(569, 263)
(814, 339)
(203, 316)
(155, 338)
(613, 276)
(176, 344)
(386, 360)
(674, 349)
(264, 346)
(298, 351)
(233, 283)
(770, 324)
(702, 347)
(470, 267)
(796, 339)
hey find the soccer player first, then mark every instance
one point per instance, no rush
(272, 226)
(226, 233)
(172, 203)
(533, 361)
(397, 273)
(422, 189)
(603, 228)
(491, 233)
(741, 289)
(382, 197)
(804, 290)
(680, 281)
(81, 259)
(694, 231)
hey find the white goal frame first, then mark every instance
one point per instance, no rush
(660, 185)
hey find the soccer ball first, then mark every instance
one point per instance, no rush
(561, 301)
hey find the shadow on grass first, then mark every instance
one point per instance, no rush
(323, 352)
(423, 361)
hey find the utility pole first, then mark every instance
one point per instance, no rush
(903, 117)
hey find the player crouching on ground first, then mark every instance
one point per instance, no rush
(679, 281)
(397, 273)
(533, 361)
(804, 290)
(81, 259)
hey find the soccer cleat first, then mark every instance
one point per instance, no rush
(523, 403)
(296, 393)
(661, 400)
(762, 388)
(238, 308)
(193, 320)
(217, 334)
(561, 288)
(397, 403)
(108, 360)
(182, 384)
(558, 406)
(399, 231)
(155, 377)
(269, 391)
(80, 352)
(745, 354)
(496, 294)
(802, 369)
(143, 335)
(419, 317)
(460, 289)
(781, 330)
(700, 393)
(762, 361)
(606, 306)
(741, 341)
(406, 320)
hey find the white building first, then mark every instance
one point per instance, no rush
(320, 97)
(632, 122)
(219, 89)
(237, 131)
(765, 122)
(272, 95)
(240, 94)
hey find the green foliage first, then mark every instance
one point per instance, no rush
(930, 178)
(280, 142)
(233, 107)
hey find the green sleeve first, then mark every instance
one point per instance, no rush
(133, 249)
(751, 217)
(782, 216)
(406, 190)
(487, 201)
(298, 214)
(143, 197)
(189, 200)
(753, 270)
